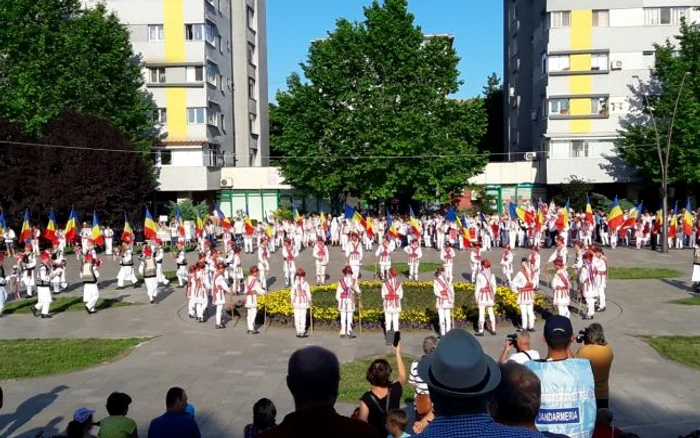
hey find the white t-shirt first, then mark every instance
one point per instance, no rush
(521, 357)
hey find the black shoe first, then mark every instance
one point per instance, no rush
(87, 310)
(493, 332)
(352, 336)
(46, 316)
(531, 329)
(479, 334)
(302, 336)
(92, 312)
(256, 332)
(298, 335)
(602, 309)
(521, 329)
(191, 316)
(220, 326)
(201, 320)
(35, 311)
(586, 317)
(250, 332)
(343, 336)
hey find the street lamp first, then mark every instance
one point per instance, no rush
(663, 156)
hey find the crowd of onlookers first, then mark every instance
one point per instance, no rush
(459, 391)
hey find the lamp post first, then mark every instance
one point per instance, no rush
(663, 156)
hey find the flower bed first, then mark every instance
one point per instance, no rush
(418, 305)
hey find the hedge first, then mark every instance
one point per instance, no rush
(418, 305)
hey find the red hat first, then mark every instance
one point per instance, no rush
(559, 262)
(354, 234)
(301, 272)
(393, 272)
(88, 257)
(560, 238)
(486, 263)
(477, 245)
(320, 239)
(347, 270)
(44, 256)
(588, 255)
(28, 246)
(147, 251)
(159, 242)
(220, 266)
(237, 250)
(254, 270)
(207, 243)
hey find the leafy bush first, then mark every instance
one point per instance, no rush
(188, 209)
(418, 304)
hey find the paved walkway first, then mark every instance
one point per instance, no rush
(226, 371)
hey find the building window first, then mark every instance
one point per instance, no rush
(599, 61)
(195, 74)
(665, 16)
(166, 157)
(218, 43)
(212, 117)
(559, 19)
(156, 75)
(161, 115)
(222, 124)
(251, 54)
(559, 63)
(253, 123)
(210, 34)
(559, 106)
(155, 32)
(599, 106)
(251, 88)
(543, 63)
(649, 59)
(211, 74)
(250, 18)
(195, 115)
(221, 82)
(579, 149)
(194, 32)
(601, 18)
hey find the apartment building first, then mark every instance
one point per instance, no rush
(205, 64)
(570, 73)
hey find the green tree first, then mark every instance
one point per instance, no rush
(56, 56)
(188, 209)
(493, 105)
(638, 144)
(575, 191)
(377, 89)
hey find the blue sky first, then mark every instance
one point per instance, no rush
(476, 24)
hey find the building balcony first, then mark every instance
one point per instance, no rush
(188, 178)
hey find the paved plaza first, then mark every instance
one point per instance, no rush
(225, 371)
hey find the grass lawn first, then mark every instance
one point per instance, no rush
(690, 301)
(621, 273)
(683, 349)
(403, 267)
(24, 358)
(352, 377)
(62, 304)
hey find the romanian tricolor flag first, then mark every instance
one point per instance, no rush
(71, 231)
(589, 211)
(50, 231)
(562, 221)
(367, 224)
(673, 223)
(199, 223)
(451, 215)
(26, 234)
(351, 213)
(390, 227)
(297, 216)
(324, 223)
(660, 216)
(634, 216)
(3, 224)
(519, 212)
(687, 220)
(415, 224)
(539, 218)
(128, 233)
(249, 228)
(96, 233)
(180, 222)
(615, 217)
(268, 227)
(464, 231)
(225, 222)
(150, 229)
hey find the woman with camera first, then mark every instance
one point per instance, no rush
(599, 353)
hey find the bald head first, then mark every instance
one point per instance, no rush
(313, 376)
(517, 396)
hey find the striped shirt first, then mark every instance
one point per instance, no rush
(414, 379)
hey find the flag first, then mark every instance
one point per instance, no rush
(451, 215)
(249, 228)
(539, 218)
(634, 216)
(390, 228)
(71, 232)
(180, 222)
(464, 231)
(297, 216)
(687, 220)
(367, 224)
(351, 213)
(589, 211)
(150, 230)
(96, 233)
(324, 224)
(50, 231)
(3, 224)
(225, 222)
(562, 222)
(415, 224)
(26, 234)
(673, 223)
(268, 227)
(519, 212)
(482, 217)
(615, 217)
(128, 233)
(199, 223)
(660, 216)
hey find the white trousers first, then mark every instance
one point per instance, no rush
(108, 246)
(413, 270)
(448, 272)
(300, 320)
(440, 241)
(219, 312)
(391, 322)
(563, 311)
(126, 273)
(445, 317)
(44, 300)
(199, 310)
(482, 317)
(345, 323)
(320, 273)
(248, 245)
(91, 294)
(527, 316)
(384, 269)
(151, 287)
(181, 275)
(289, 271)
(475, 272)
(262, 275)
(191, 307)
(601, 297)
(536, 279)
(590, 306)
(355, 271)
(28, 282)
(159, 274)
(250, 317)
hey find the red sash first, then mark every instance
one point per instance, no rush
(217, 289)
(355, 252)
(477, 255)
(564, 280)
(290, 253)
(448, 255)
(250, 288)
(533, 259)
(445, 292)
(346, 293)
(321, 251)
(413, 254)
(528, 286)
(300, 294)
(392, 295)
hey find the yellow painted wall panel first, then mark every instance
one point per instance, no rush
(581, 39)
(177, 114)
(174, 30)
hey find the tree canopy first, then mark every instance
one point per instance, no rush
(56, 56)
(638, 144)
(373, 118)
(100, 171)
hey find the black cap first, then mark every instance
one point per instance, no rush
(558, 326)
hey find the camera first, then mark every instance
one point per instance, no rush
(513, 339)
(583, 336)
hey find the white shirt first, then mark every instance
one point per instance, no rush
(521, 357)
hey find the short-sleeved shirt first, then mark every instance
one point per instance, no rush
(378, 407)
(173, 425)
(116, 426)
(414, 379)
